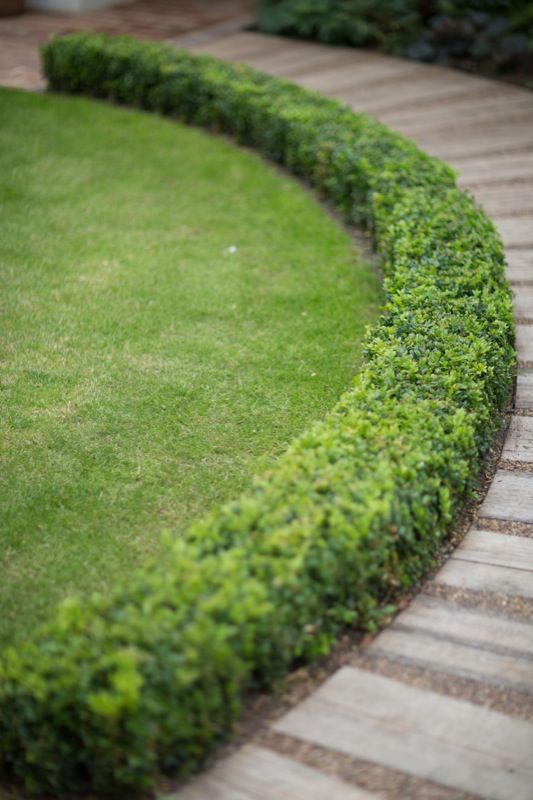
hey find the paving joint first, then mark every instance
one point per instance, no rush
(390, 784)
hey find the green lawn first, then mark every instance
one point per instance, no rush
(147, 369)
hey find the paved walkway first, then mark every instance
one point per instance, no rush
(20, 36)
(439, 705)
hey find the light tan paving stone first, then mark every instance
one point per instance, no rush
(256, 773)
(471, 643)
(443, 739)
(493, 169)
(515, 231)
(524, 342)
(506, 199)
(481, 690)
(253, 47)
(491, 562)
(524, 389)
(510, 496)
(455, 622)
(356, 59)
(289, 57)
(494, 140)
(354, 78)
(496, 549)
(518, 444)
(243, 46)
(463, 113)
(519, 265)
(523, 302)
(390, 784)
(466, 660)
(488, 578)
(375, 100)
(459, 129)
(293, 64)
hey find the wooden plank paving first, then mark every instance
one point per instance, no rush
(482, 170)
(261, 774)
(520, 265)
(505, 199)
(495, 549)
(475, 627)
(492, 139)
(523, 303)
(480, 644)
(449, 741)
(471, 111)
(524, 390)
(510, 497)
(465, 660)
(367, 79)
(519, 441)
(524, 344)
(515, 231)
(474, 621)
(492, 562)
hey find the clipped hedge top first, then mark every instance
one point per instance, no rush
(151, 677)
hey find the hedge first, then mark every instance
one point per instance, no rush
(150, 678)
(493, 36)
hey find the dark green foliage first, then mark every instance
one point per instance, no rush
(151, 677)
(389, 24)
(494, 35)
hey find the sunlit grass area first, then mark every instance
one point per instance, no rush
(173, 312)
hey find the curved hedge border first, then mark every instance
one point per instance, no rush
(151, 677)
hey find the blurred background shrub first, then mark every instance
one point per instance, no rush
(494, 37)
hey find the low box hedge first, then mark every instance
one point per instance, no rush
(149, 678)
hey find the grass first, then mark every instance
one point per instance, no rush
(149, 368)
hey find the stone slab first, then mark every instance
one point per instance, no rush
(497, 549)
(524, 343)
(357, 79)
(244, 46)
(255, 773)
(465, 574)
(506, 199)
(464, 113)
(456, 145)
(518, 444)
(523, 302)
(473, 643)
(456, 134)
(294, 64)
(439, 738)
(491, 562)
(457, 623)
(358, 60)
(376, 100)
(510, 496)
(463, 659)
(524, 389)
(519, 265)
(505, 167)
(515, 231)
